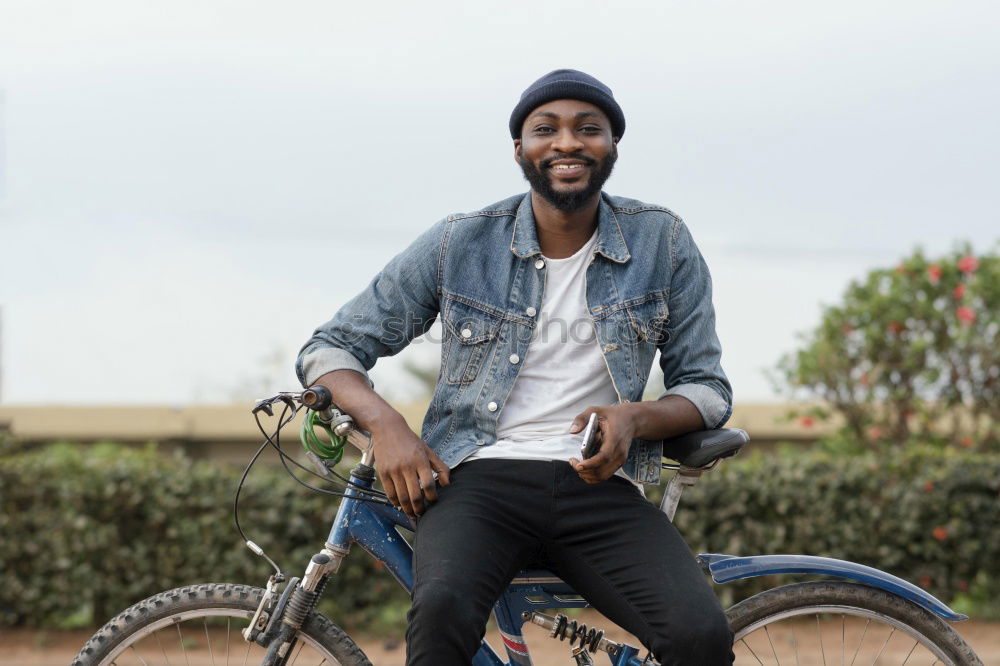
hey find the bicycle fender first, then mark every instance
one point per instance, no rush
(727, 568)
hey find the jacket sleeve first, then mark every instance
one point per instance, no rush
(399, 304)
(690, 355)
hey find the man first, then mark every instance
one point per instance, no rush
(553, 305)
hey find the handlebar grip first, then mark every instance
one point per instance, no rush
(317, 398)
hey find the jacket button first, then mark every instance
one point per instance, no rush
(539, 264)
(514, 358)
(492, 406)
(531, 312)
(480, 442)
(466, 333)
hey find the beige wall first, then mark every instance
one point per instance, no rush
(229, 433)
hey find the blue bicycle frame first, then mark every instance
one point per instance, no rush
(373, 526)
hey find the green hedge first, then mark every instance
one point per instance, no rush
(86, 531)
(926, 515)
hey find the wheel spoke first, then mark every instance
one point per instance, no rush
(752, 652)
(249, 645)
(882, 649)
(795, 646)
(229, 621)
(843, 637)
(209, 641)
(820, 632)
(183, 647)
(863, 634)
(915, 643)
(165, 658)
(773, 651)
(136, 653)
(296, 657)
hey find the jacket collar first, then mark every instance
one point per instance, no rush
(610, 240)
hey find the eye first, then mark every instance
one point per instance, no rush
(590, 129)
(543, 129)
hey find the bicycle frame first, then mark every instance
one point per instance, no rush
(373, 526)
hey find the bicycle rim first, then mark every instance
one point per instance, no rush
(205, 636)
(834, 623)
(831, 634)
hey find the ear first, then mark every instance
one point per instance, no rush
(517, 150)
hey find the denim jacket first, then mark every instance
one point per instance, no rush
(483, 273)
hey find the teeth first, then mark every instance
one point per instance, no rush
(568, 166)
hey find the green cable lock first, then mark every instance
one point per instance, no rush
(331, 451)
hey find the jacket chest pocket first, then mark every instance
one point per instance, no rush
(639, 327)
(468, 334)
(647, 322)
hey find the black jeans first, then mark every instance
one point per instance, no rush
(606, 540)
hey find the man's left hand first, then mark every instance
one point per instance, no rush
(616, 428)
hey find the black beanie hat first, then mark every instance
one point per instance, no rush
(567, 84)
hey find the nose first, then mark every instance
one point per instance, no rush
(566, 141)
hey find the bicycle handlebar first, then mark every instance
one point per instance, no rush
(317, 398)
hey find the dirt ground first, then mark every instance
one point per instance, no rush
(22, 647)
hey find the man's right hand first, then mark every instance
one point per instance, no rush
(405, 462)
(406, 466)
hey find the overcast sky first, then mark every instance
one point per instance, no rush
(189, 188)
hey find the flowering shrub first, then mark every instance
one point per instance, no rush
(912, 350)
(928, 515)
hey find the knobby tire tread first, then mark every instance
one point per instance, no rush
(209, 595)
(798, 595)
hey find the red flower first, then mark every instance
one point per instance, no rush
(865, 380)
(966, 442)
(934, 273)
(963, 586)
(959, 292)
(895, 327)
(925, 581)
(940, 533)
(965, 314)
(928, 486)
(968, 264)
(807, 422)
(874, 432)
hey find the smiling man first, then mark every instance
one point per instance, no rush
(553, 305)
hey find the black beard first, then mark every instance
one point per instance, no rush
(569, 201)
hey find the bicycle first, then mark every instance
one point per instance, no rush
(865, 611)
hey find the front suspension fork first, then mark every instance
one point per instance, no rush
(285, 617)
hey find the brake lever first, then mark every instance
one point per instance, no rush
(265, 404)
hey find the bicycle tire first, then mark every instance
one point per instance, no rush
(819, 602)
(167, 610)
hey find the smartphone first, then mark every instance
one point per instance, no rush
(589, 446)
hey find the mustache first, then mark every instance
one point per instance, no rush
(547, 162)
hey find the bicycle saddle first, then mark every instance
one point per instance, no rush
(701, 448)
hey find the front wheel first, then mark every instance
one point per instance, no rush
(824, 622)
(201, 624)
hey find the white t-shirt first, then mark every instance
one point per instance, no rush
(562, 373)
